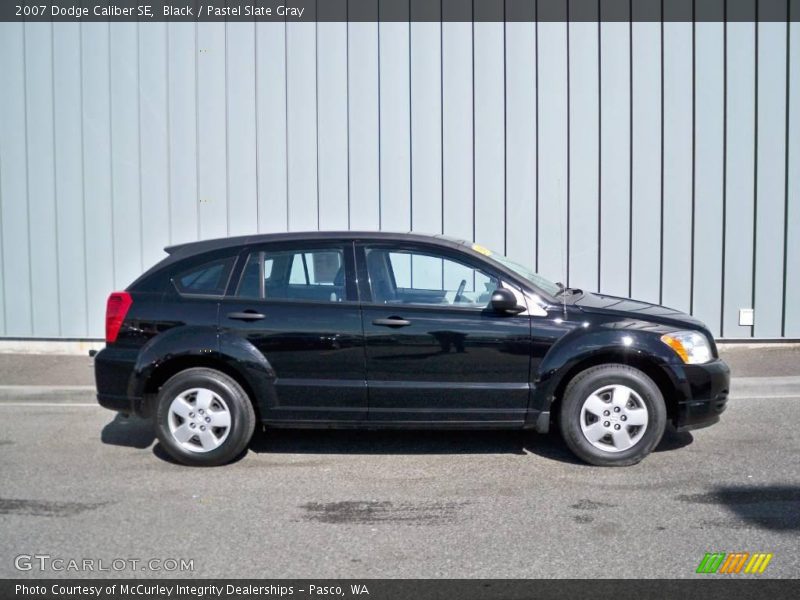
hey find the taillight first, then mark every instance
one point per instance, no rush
(116, 309)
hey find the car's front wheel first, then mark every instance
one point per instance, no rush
(612, 415)
(203, 417)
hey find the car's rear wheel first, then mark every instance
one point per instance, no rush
(204, 417)
(612, 415)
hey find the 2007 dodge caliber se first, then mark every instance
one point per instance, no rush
(375, 330)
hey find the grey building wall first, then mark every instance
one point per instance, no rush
(655, 160)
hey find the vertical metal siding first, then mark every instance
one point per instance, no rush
(615, 153)
(584, 151)
(241, 132)
(98, 197)
(553, 159)
(363, 115)
(661, 161)
(521, 142)
(791, 250)
(182, 133)
(426, 126)
(69, 182)
(708, 171)
(739, 107)
(645, 267)
(154, 129)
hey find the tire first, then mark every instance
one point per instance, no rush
(203, 418)
(595, 404)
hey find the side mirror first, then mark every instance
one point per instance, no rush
(504, 300)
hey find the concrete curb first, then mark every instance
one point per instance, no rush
(765, 386)
(66, 394)
(53, 347)
(741, 388)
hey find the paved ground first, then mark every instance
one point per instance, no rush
(78, 482)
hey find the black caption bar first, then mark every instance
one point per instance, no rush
(400, 10)
(398, 589)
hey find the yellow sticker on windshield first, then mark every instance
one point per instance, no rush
(482, 249)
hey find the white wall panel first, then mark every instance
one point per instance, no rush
(241, 128)
(541, 140)
(739, 176)
(521, 138)
(457, 135)
(708, 168)
(125, 152)
(363, 123)
(154, 130)
(490, 167)
(14, 183)
(646, 161)
(97, 187)
(553, 152)
(791, 299)
(426, 127)
(332, 122)
(395, 120)
(271, 161)
(771, 178)
(68, 145)
(615, 104)
(45, 292)
(584, 140)
(182, 111)
(212, 164)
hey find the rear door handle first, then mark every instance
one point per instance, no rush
(391, 322)
(247, 315)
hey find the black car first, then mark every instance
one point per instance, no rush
(357, 329)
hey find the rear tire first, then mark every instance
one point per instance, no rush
(612, 415)
(203, 417)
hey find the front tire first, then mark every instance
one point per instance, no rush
(612, 415)
(203, 417)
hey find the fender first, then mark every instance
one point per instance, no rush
(177, 342)
(629, 346)
(208, 346)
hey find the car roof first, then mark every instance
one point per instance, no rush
(202, 246)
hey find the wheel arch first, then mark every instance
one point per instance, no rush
(226, 353)
(649, 365)
(164, 371)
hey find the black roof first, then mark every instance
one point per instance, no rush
(201, 246)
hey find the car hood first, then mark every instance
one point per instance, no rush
(636, 309)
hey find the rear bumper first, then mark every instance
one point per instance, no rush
(122, 404)
(707, 387)
(113, 368)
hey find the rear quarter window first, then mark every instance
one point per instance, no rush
(207, 279)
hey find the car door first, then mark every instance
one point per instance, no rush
(297, 304)
(435, 351)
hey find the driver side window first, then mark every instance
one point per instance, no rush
(421, 278)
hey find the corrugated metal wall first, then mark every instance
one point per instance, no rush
(658, 161)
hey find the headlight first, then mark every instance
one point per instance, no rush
(691, 346)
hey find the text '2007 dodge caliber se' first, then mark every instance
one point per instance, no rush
(356, 329)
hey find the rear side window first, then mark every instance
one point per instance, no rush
(310, 275)
(208, 279)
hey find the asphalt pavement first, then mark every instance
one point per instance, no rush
(78, 482)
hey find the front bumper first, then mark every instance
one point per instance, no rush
(706, 395)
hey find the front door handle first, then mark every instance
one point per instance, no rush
(247, 315)
(391, 322)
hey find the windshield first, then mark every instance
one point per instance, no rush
(537, 280)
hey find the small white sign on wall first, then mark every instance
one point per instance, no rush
(746, 316)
